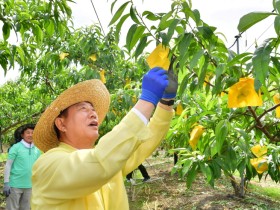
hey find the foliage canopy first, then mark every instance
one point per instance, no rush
(52, 55)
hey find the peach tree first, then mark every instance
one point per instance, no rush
(227, 103)
(39, 40)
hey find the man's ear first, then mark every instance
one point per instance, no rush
(59, 124)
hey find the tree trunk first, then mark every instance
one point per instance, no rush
(1, 146)
(239, 188)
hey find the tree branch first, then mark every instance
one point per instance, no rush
(259, 124)
(269, 110)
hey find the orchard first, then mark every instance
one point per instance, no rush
(227, 120)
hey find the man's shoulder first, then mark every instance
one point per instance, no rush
(15, 146)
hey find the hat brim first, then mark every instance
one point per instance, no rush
(93, 91)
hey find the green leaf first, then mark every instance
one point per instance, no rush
(261, 59)
(236, 59)
(191, 175)
(276, 5)
(183, 85)
(67, 9)
(196, 16)
(195, 58)
(3, 63)
(251, 19)
(136, 36)
(163, 37)
(221, 132)
(180, 30)
(186, 166)
(241, 166)
(257, 84)
(206, 172)
(38, 33)
(133, 15)
(6, 30)
(276, 63)
(141, 46)
(164, 21)
(244, 135)
(223, 164)
(171, 29)
(277, 25)
(203, 71)
(21, 55)
(206, 31)
(219, 70)
(216, 170)
(50, 27)
(130, 35)
(183, 46)
(118, 13)
(189, 13)
(150, 16)
(217, 89)
(213, 151)
(119, 25)
(112, 5)
(194, 85)
(231, 159)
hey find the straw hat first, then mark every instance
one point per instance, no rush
(93, 91)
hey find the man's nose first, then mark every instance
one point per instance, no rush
(93, 114)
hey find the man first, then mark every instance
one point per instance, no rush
(17, 172)
(74, 175)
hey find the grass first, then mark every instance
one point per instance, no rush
(271, 192)
(3, 157)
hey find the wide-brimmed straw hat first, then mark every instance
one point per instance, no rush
(93, 91)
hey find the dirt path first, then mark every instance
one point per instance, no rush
(168, 192)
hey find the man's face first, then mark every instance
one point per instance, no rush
(27, 135)
(81, 123)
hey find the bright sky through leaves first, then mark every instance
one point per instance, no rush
(224, 14)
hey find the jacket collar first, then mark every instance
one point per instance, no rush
(27, 145)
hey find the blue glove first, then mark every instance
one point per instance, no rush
(171, 90)
(7, 189)
(153, 85)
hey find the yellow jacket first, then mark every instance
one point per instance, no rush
(65, 178)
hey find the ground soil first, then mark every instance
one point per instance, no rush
(169, 192)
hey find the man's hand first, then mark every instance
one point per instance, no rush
(6, 189)
(171, 89)
(154, 83)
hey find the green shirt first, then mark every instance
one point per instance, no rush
(23, 160)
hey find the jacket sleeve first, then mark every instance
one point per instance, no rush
(7, 170)
(157, 129)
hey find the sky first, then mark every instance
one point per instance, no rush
(223, 14)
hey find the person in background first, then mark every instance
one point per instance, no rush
(143, 170)
(17, 171)
(73, 173)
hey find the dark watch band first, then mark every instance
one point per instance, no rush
(168, 103)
